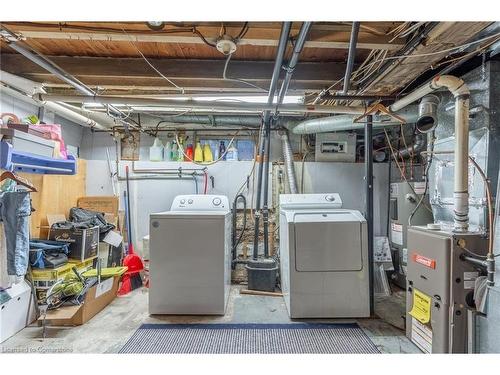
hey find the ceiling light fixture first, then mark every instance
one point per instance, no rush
(156, 25)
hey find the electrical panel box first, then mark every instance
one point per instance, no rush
(404, 198)
(440, 290)
(339, 147)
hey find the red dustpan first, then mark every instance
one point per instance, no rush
(132, 279)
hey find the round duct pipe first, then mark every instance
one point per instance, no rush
(427, 114)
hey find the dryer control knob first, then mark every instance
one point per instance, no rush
(330, 198)
(182, 201)
(190, 201)
(216, 201)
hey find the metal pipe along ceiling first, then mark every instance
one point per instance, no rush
(351, 56)
(206, 105)
(285, 31)
(285, 140)
(51, 67)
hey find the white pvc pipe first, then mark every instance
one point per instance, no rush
(30, 88)
(198, 104)
(54, 107)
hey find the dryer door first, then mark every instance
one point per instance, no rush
(329, 241)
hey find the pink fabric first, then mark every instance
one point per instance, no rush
(55, 134)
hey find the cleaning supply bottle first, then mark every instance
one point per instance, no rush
(156, 150)
(232, 153)
(207, 153)
(167, 151)
(198, 153)
(175, 152)
(215, 150)
(222, 150)
(180, 150)
(189, 153)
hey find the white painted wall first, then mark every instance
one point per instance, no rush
(72, 133)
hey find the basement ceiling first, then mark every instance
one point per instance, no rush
(107, 55)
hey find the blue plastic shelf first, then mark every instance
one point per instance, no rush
(18, 161)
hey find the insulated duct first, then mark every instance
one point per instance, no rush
(345, 123)
(288, 158)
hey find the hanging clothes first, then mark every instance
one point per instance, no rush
(15, 209)
(5, 279)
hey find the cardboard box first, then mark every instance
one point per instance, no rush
(96, 299)
(105, 204)
(83, 243)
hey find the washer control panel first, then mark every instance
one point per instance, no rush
(200, 203)
(325, 200)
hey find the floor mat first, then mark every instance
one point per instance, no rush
(295, 338)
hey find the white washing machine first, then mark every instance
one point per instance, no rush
(190, 256)
(324, 257)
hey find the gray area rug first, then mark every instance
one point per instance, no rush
(295, 338)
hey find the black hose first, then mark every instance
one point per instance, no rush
(236, 242)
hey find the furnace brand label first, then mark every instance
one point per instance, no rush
(427, 262)
(397, 233)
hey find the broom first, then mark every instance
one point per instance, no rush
(132, 279)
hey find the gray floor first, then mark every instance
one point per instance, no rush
(108, 331)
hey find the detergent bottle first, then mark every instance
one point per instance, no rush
(167, 151)
(222, 150)
(175, 152)
(156, 150)
(198, 153)
(189, 153)
(180, 150)
(232, 153)
(207, 153)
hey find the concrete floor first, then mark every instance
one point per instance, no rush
(108, 331)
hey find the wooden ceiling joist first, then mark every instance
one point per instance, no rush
(189, 73)
(318, 39)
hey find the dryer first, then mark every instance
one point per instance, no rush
(190, 256)
(324, 257)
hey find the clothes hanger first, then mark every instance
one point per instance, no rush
(18, 179)
(379, 108)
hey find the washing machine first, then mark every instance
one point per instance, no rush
(190, 256)
(324, 257)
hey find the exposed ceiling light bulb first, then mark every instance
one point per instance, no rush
(226, 45)
(156, 25)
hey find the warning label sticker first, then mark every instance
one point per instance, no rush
(397, 233)
(419, 187)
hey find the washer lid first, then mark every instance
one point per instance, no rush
(329, 241)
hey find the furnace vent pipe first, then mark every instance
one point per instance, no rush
(427, 114)
(288, 158)
(415, 148)
(461, 94)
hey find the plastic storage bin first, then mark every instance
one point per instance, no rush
(262, 274)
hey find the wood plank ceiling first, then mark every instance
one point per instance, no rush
(106, 55)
